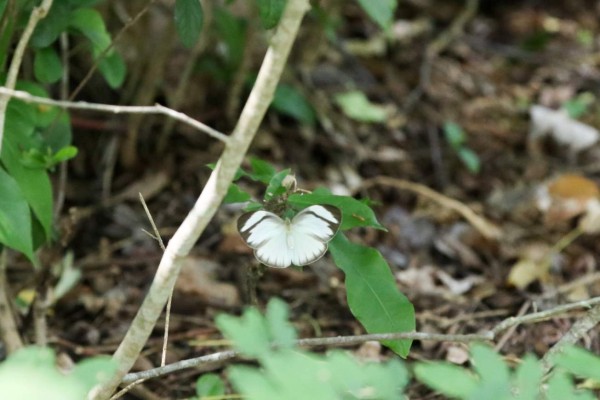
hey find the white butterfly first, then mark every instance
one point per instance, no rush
(280, 243)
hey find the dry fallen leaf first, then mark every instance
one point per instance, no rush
(534, 264)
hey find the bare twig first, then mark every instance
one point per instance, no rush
(82, 105)
(64, 94)
(36, 16)
(8, 326)
(486, 228)
(353, 340)
(212, 195)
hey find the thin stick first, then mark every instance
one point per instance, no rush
(64, 94)
(486, 228)
(8, 326)
(163, 358)
(82, 105)
(36, 16)
(354, 340)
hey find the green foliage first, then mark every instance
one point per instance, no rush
(457, 139)
(47, 67)
(189, 18)
(357, 106)
(579, 105)
(15, 218)
(37, 365)
(289, 101)
(209, 385)
(288, 373)
(232, 30)
(490, 377)
(270, 12)
(380, 11)
(373, 296)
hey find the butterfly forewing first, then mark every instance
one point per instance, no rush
(303, 240)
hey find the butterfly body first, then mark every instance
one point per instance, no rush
(301, 240)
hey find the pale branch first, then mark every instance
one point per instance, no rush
(109, 108)
(8, 326)
(358, 339)
(211, 197)
(37, 14)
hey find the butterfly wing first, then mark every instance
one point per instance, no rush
(311, 230)
(278, 243)
(266, 233)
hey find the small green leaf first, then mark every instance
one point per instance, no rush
(448, 379)
(113, 69)
(380, 11)
(210, 385)
(50, 27)
(455, 136)
(249, 333)
(373, 296)
(262, 171)
(578, 106)
(275, 188)
(358, 107)
(64, 154)
(47, 66)
(289, 101)
(91, 371)
(89, 23)
(489, 365)
(470, 159)
(15, 217)
(354, 212)
(270, 12)
(235, 194)
(282, 332)
(188, 21)
(579, 362)
(528, 379)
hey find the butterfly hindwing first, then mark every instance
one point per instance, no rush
(301, 241)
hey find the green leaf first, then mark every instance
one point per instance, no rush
(64, 154)
(354, 212)
(262, 171)
(249, 333)
(489, 365)
(528, 379)
(89, 23)
(188, 21)
(579, 362)
(253, 383)
(289, 101)
(448, 379)
(210, 385)
(282, 332)
(373, 296)
(275, 188)
(579, 105)
(47, 66)
(232, 31)
(358, 107)
(91, 371)
(235, 194)
(49, 28)
(270, 12)
(113, 69)
(455, 136)
(380, 11)
(470, 159)
(15, 217)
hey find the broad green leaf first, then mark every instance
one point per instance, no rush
(289, 101)
(232, 31)
(275, 188)
(380, 11)
(188, 21)
(282, 332)
(373, 296)
(3, 4)
(15, 217)
(253, 383)
(262, 171)
(91, 371)
(270, 12)
(249, 333)
(560, 386)
(113, 69)
(448, 379)
(528, 379)
(89, 23)
(470, 159)
(358, 107)
(579, 362)
(354, 212)
(43, 115)
(253, 206)
(210, 385)
(455, 136)
(235, 194)
(47, 66)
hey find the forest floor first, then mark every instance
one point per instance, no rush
(481, 68)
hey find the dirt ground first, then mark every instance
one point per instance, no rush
(482, 67)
